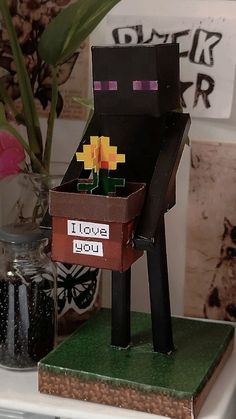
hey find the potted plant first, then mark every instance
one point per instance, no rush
(39, 40)
(28, 39)
(94, 219)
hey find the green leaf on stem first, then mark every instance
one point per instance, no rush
(86, 103)
(51, 120)
(6, 98)
(30, 114)
(3, 118)
(71, 27)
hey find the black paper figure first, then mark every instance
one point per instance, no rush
(136, 89)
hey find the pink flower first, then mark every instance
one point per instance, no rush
(11, 154)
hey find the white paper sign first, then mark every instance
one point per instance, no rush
(207, 47)
(85, 247)
(84, 229)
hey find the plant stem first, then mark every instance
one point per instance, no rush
(30, 114)
(11, 105)
(86, 103)
(51, 120)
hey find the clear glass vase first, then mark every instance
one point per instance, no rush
(24, 198)
(27, 297)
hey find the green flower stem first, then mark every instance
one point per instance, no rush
(51, 120)
(6, 98)
(30, 114)
(86, 103)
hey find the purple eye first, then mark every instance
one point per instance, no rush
(105, 85)
(145, 85)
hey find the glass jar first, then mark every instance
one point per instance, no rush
(27, 297)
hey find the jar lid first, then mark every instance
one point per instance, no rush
(21, 233)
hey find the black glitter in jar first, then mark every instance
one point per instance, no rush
(27, 303)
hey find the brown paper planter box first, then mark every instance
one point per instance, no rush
(95, 230)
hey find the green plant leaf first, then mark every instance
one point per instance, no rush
(4, 96)
(30, 114)
(86, 103)
(71, 27)
(3, 118)
(51, 120)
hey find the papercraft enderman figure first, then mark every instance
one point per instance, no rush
(136, 93)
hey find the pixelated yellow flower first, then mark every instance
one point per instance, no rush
(99, 154)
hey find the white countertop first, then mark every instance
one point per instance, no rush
(18, 391)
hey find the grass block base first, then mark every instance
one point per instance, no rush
(86, 367)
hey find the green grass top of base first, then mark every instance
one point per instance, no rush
(88, 354)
